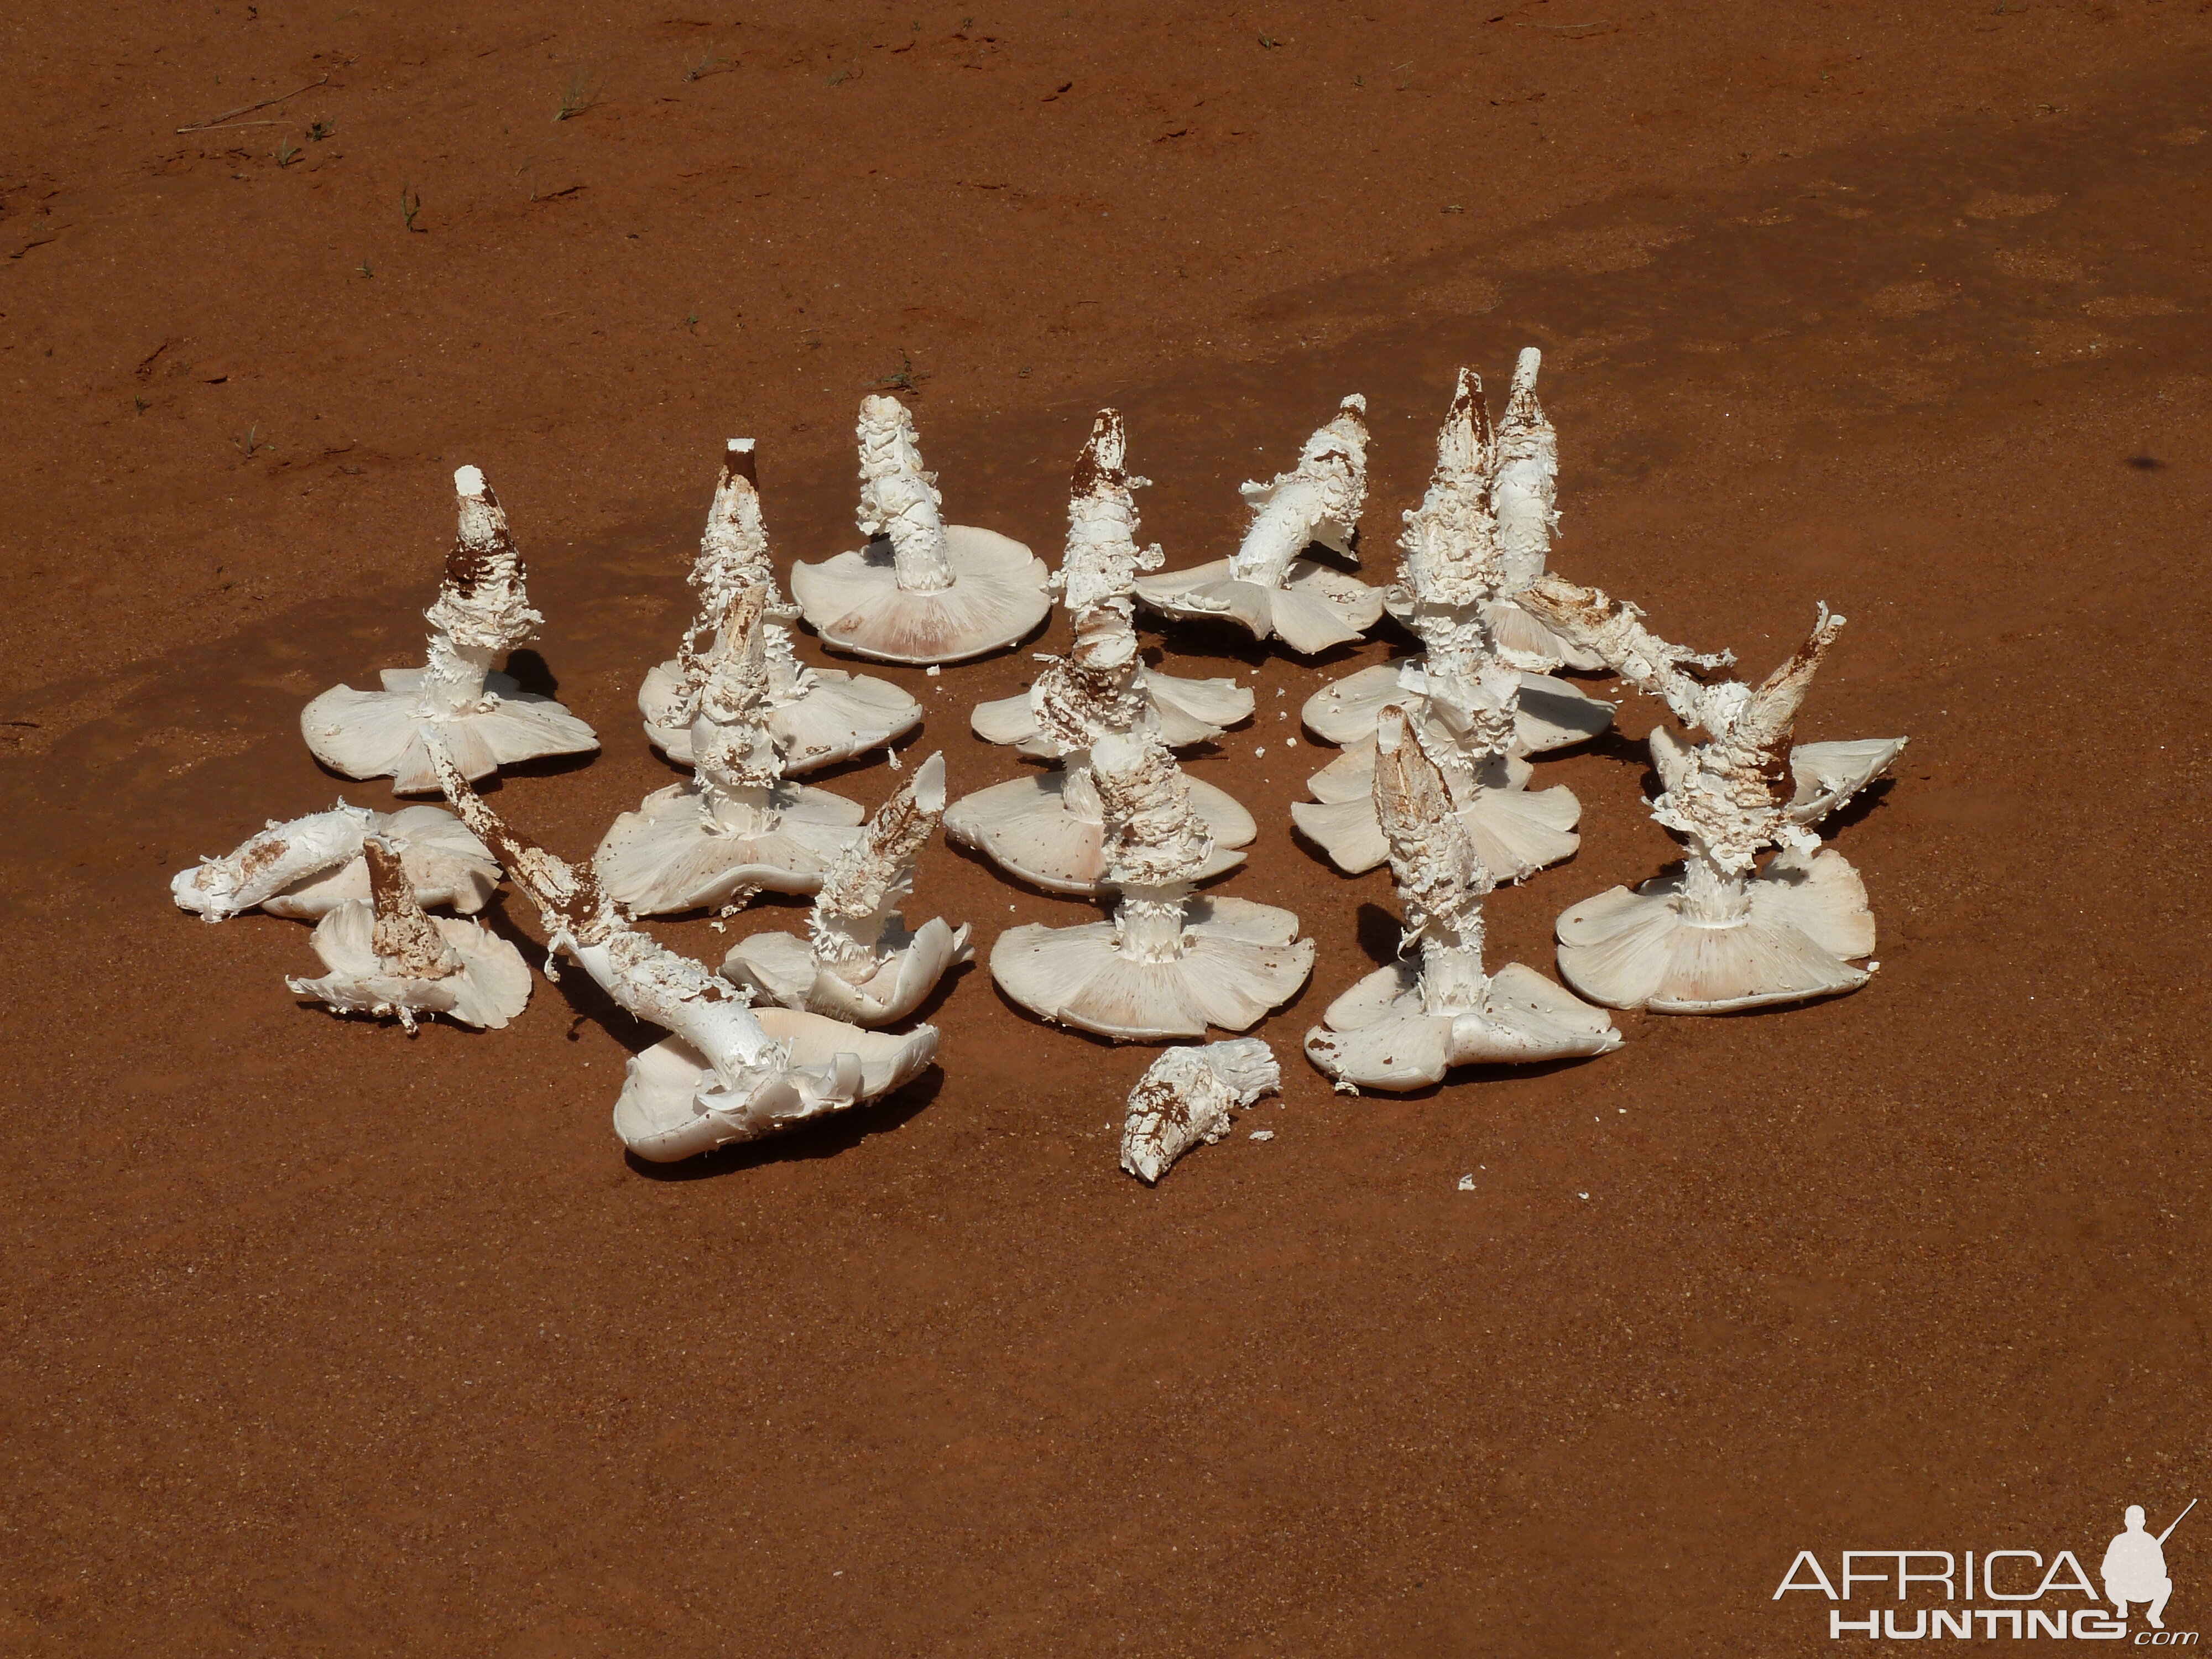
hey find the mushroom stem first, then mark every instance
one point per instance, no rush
(481, 607)
(1103, 557)
(898, 499)
(405, 940)
(1320, 501)
(1713, 896)
(1439, 875)
(1148, 923)
(570, 905)
(1615, 631)
(863, 888)
(1528, 473)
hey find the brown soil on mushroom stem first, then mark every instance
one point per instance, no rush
(323, 1340)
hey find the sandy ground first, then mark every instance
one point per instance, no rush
(319, 1340)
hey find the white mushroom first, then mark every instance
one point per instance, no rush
(1186, 1096)
(1049, 829)
(1100, 569)
(861, 963)
(1722, 933)
(1167, 964)
(307, 867)
(819, 716)
(936, 593)
(1404, 1026)
(485, 718)
(1267, 587)
(736, 826)
(383, 957)
(728, 1071)
(1475, 715)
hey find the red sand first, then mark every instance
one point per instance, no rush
(324, 1341)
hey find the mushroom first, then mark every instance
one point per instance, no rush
(307, 867)
(819, 716)
(1525, 483)
(486, 718)
(727, 1072)
(1722, 933)
(1475, 715)
(1049, 829)
(1267, 587)
(383, 957)
(1167, 964)
(1404, 1026)
(1099, 568)
(1185, 1097)
(736, 826)
(861, 963)
(922, 591)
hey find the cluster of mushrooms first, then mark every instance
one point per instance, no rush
(1433, 776)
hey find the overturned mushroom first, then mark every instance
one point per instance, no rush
(1268, 588)
(1475, 715)
(485, 718)
(819, 716)
(304, 868)
(1723, 932)
(922, 591)
(1404, 1026)
(1099, 571)
(736, 826)
(1049, 829)
(728, 1071)
(861, 963)
(383, 957)
(1186, 1096)
(1168, 963)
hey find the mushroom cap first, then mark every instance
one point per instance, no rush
(997, 596)
(1316, 607)
(672, 854)
(1377, 1036)
(836, 716)
(379, 734)
(1827, 775)
(1187, 712)
(1241, 959)
(492, 987)
(663, 1116)
(781, 967)
(1023, 826)
(1515, 832)
(1552, 714)
(1809, 918)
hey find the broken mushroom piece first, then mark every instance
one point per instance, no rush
(486, 719)
(383, 957)
(861, 963)
(1404, 1026)
(305, 868)
(727, 1072)
(1167, 964)
(1723, 932)
(1050, 830)
(922, 591)
(1186, 1096)
(1095, 579)
(819, 716)
(736, 827)
(1268, 587)
(1472, 712)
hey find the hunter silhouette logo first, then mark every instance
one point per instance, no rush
(2031, 1596)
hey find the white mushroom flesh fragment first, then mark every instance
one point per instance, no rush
(1266, 586)
(737, 827)
(817, 716)
(861, 963)
(1186, 1099)
(386, 958)
(942, 592)
(726, 1074)
(485, 719)
(1404, 1026)
(1166, 964)
(1724, 934)
(307, 867)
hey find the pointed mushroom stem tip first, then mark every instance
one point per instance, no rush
(468, 481)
